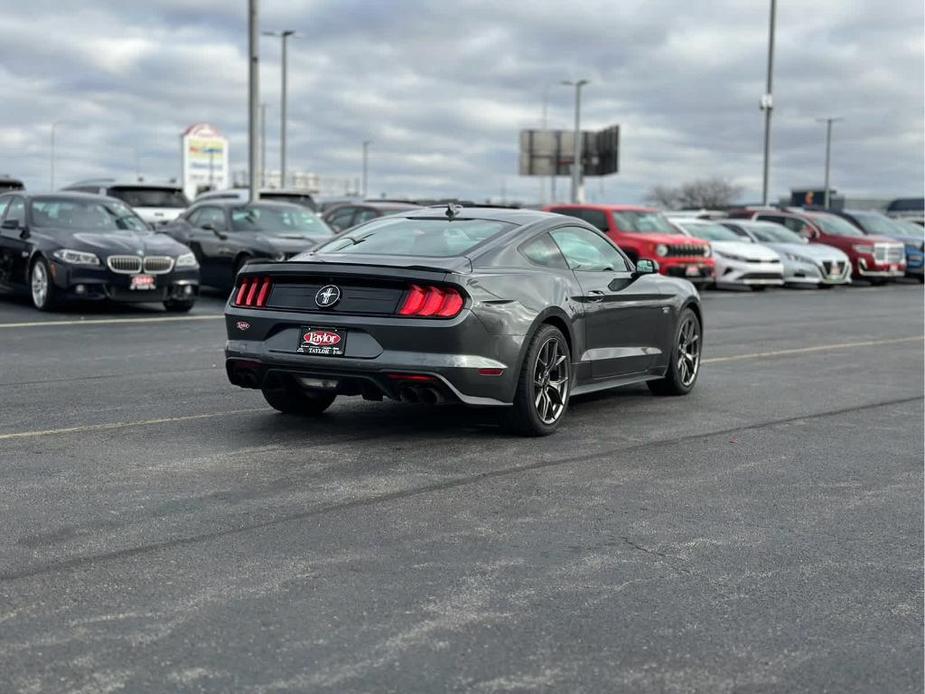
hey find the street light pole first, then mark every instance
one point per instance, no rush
(263, 145)
(767, 105)
(545, 125)
(253, 89)
(576, 158)
(284, 37)
(366, 144)
(828, 155)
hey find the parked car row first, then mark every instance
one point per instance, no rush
(752, 247)
(88, 246)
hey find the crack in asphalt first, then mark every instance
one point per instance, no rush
(79, 562)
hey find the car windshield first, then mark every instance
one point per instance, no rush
(836, 226)
(912, 229)
(644, 222)
(417, 237)
(774, 233)
(287, 221)
(91, 215)
(876, 223)
(147, 196)
(711, 232)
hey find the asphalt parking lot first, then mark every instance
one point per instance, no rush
(163, 530)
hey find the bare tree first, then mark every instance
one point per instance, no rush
(709, 193)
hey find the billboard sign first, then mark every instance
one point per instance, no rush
(550, 152)
(204, 155)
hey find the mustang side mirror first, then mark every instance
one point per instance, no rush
(645, 267)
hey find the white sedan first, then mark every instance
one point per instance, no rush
(739, 261)
(804, 262)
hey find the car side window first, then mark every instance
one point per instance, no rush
(364, 214)
(16, 210)
(587, 251)
(4, 203)
(340, 219)
(208, 215)
(543, 251)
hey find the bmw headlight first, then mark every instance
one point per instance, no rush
(661, 249)
(66, 255)
(187, 260)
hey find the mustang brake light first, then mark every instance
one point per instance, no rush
(431, 302)
(253, 292)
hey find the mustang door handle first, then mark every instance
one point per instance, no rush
(595, 295)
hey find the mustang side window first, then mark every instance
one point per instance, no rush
(543, 251)
(586, 251)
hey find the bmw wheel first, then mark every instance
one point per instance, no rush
(542, 395)
(178, 305)
(684, 366)
(286, 397)
(41, 285)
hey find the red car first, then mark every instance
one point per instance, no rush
(646, 234)
(873, 258)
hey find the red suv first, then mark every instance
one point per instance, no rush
(646, 234)
(873, 258)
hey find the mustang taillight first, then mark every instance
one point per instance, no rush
(253, 292)
(431, 302)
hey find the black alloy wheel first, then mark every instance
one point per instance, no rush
(542, 395)
(684, 365)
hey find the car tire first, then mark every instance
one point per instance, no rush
(178, 306)
(547, 365)
(289, 399)
(41, 286)
(687, 346)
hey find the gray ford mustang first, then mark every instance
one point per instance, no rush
(514, 309)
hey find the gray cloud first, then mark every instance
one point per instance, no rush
(443, 88)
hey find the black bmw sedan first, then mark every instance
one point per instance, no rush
(513, 309)
(74, 245)
(227, 234)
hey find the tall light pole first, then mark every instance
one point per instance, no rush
(767, 105)
(263, 145)
(284, 37)
(53, 127)
(545, 125)
(576, 160)
(366, 144)
(253, 95)
(828, 154)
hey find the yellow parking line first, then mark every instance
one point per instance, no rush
(818, 348)
(108, 321)
(123, 425)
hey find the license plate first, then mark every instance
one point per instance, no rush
(142, 282)
(692, 271)
(322, 342)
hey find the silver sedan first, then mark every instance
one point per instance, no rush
(803, 262)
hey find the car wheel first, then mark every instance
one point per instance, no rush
(178, 306)
(41, 285)
(543, 388)
(289, 399)
(684, 366)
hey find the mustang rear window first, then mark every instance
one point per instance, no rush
(417, 237)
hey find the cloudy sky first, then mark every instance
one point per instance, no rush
(442, 89)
